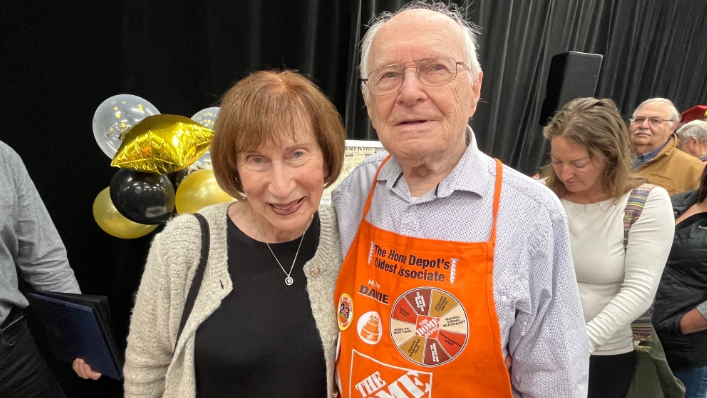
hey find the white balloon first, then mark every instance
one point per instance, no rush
(207, 118)
(115, 116)
(204, 162)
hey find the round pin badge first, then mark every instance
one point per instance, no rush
(344, 313)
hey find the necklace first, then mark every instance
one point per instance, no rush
(288, 280)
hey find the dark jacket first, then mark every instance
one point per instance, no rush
(683, 287)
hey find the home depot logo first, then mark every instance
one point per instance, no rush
(374, 379)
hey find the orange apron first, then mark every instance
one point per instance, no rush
(417, 316)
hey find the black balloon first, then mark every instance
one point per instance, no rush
(144, 198)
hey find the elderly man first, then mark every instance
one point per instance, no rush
(655, 145)
(453, 261)
(692, 139)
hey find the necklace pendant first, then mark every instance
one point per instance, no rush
(289, 281)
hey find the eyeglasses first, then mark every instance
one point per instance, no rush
(431, 72)
(654, 121)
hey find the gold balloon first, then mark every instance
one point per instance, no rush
(114, 223)
(163, 144)
(198, 190)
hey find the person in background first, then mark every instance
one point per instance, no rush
(456, 266)
(697, 112)
(654, 143)
(680, 312)
(31, 249)
(590, 171)
(692, 139)
(263, 324)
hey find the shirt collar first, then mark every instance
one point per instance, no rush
(640, 159)
(470, 174)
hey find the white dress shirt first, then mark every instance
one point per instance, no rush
(534, 283)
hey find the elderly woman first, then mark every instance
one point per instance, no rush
(680, 314)
(590, 171)
(263, 323)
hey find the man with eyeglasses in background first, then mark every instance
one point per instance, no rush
(456, 267)
(653, 141)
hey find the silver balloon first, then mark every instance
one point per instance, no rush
(207, 118)
(115, 116)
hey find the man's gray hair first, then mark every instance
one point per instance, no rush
(469, 29)
(696, 128)
(673, 111)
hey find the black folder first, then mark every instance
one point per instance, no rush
(74, 326)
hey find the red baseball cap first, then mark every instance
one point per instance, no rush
(698, 112)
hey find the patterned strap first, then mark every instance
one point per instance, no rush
(642, 327)
(634, 207)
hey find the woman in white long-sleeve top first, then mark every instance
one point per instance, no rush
(590, 171)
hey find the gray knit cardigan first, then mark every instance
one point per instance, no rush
(153, 367)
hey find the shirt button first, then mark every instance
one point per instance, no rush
(315, 272)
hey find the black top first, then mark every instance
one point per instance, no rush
(683, 286)
(263, 341)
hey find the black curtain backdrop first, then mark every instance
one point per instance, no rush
(651, 48)
(60, 59)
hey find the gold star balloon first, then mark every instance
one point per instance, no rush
(163, 144)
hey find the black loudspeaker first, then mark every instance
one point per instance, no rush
(572, 75)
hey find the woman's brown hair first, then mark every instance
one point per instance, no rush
(258, 108)
(596, 125)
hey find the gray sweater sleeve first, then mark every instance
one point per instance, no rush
(32, 238)
(702, 308)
